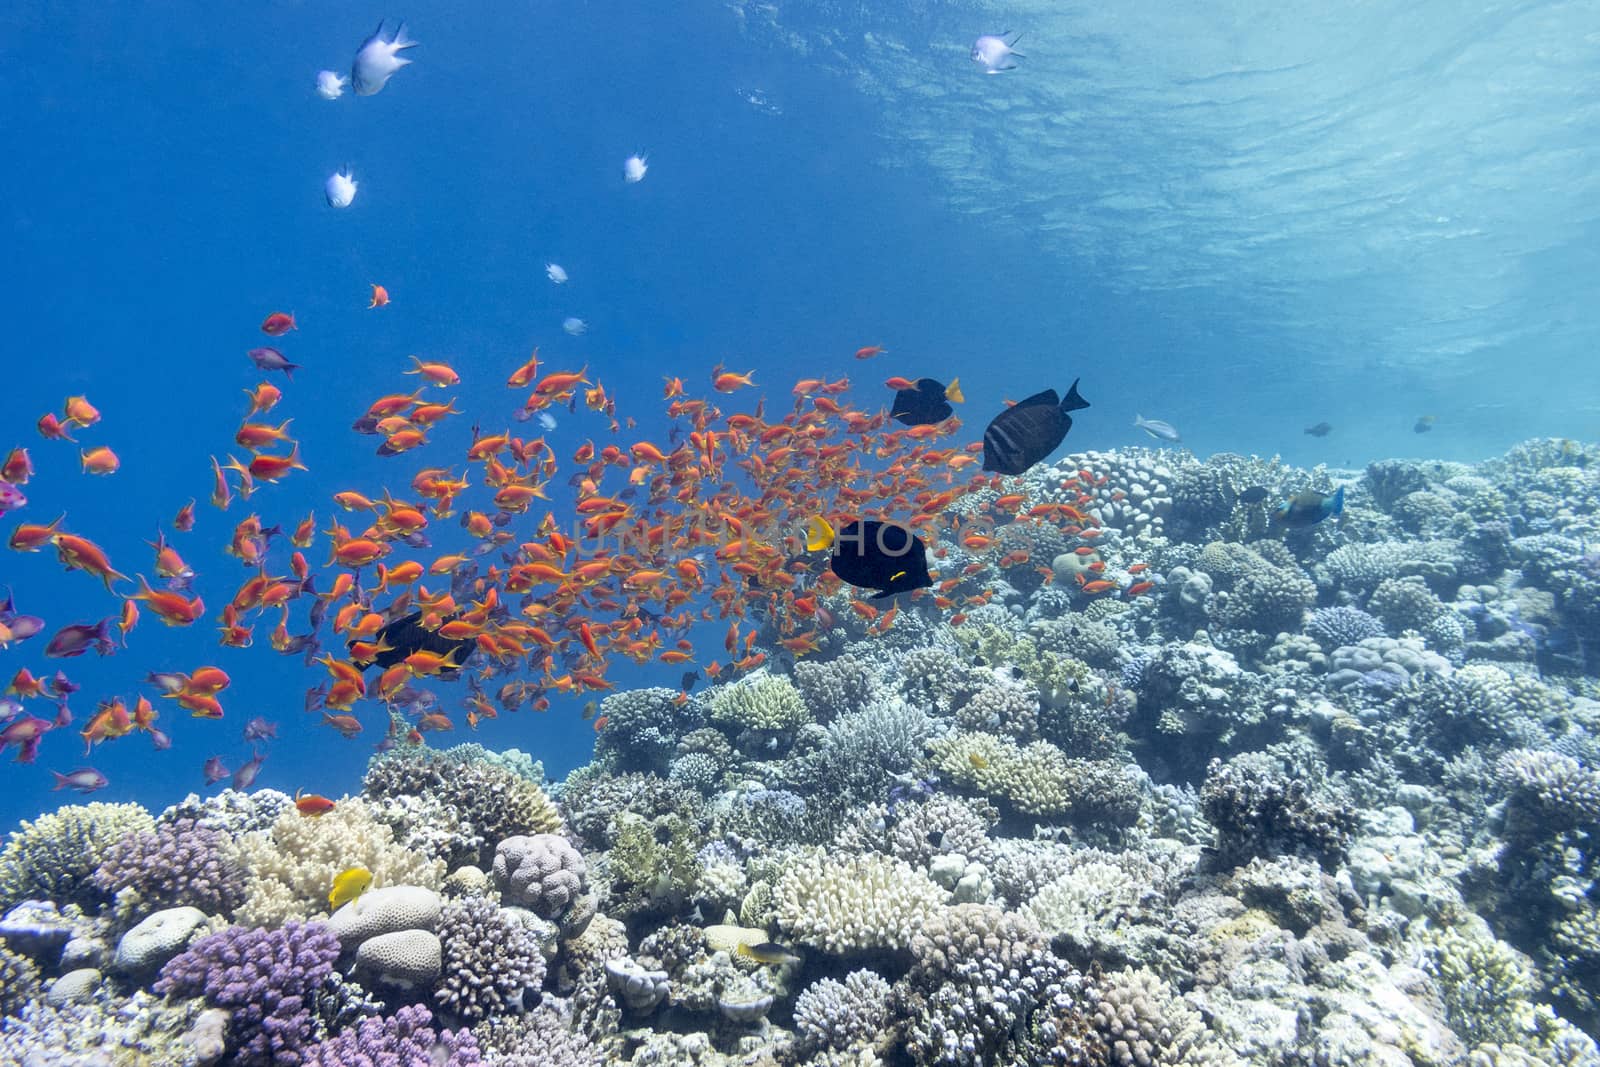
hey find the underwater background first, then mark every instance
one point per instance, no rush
(987, 830)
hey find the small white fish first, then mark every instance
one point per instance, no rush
(340, 189)
(1163, 431)
(633, 169)
(575, 326)
(995, 52)
(378, 60)
(330, 84)
(556, 273)
(547, 421)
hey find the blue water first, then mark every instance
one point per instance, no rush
(1289, 226)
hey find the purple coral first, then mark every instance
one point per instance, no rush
(404, 1039)
(179, 862)
(264, 978)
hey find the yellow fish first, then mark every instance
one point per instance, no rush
(819, 535)
(347, 885)
(978, 762)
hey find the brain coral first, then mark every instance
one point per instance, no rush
(54, 856)
(847, 904)
(293, 865)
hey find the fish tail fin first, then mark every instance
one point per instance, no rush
(402, 41)
(1338, 502)
(62, 781)
(952, 392)
(1073, 401)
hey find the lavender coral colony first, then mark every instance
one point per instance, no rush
(1277, 793)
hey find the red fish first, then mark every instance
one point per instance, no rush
(277, 324)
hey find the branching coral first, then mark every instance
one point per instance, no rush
(54, 856)
(264, 979)
(179, 862)
(492, 964)
(849, 904)
(292, 867)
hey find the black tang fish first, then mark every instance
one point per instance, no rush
(874, 555)
(407, 635)
(1029, 430)
(926, 402)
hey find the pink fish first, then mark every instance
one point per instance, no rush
(215, 771)
(78, 638)
(245, 776)
(11, 498)
(270, 359)
(159, 738)
(84, 780)
(24, 731)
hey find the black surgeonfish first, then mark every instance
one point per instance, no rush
(874, 555)
(407, 635)
(1029, 430)
(926, 402)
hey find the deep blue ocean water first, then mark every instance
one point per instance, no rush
(1244, 221)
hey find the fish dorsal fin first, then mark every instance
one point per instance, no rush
(1047, 398)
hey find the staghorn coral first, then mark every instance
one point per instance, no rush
(941, 825)
(491, 963)
(1485, 985)
(850, 904)
(643, 727)
(1548, 793)
(54, 856)
(292, 866)
(858, 758)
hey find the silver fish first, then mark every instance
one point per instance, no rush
(379, 60)
(1163, 431)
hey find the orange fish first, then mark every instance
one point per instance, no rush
(440, 374)
(80, 411)
(380, 297)
(30, 537)
(311, 804)
(869, 351)
(727, 382)
(79, 554)
(1098, 586)
(1139, 588)
(273, 468)
(100, 460)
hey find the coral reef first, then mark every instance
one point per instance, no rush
(1269, 797)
